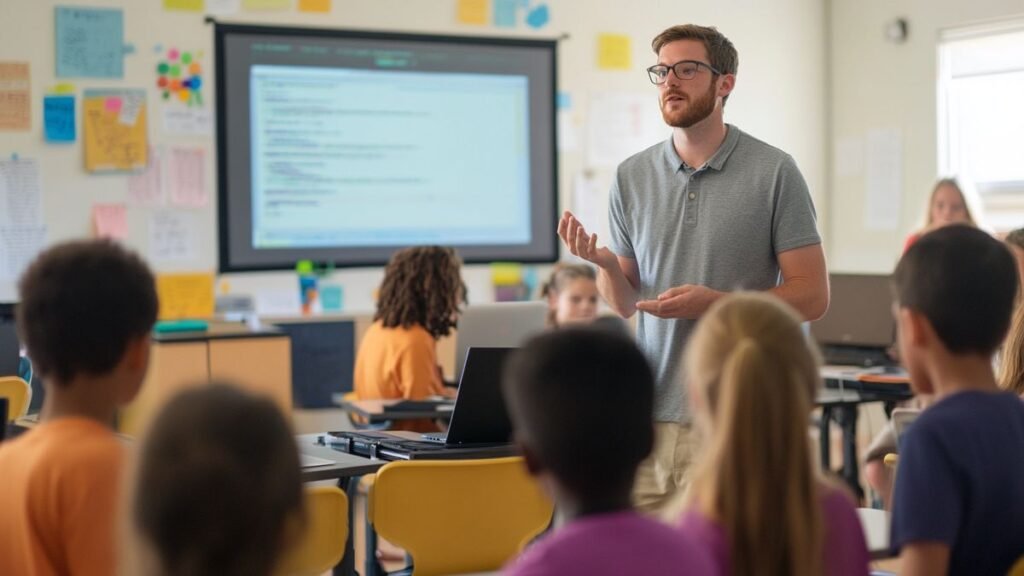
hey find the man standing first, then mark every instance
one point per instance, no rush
(709, 211)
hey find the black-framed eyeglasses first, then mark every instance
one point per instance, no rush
(684, 70)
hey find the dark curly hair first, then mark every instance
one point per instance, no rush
(82, 303)
(421, 286)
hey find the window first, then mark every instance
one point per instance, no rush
(981, 118)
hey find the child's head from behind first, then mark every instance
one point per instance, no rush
(218, 484)
(86, 310)
(572, 295)
(421, 286)
(752, 378)
(955, 290)
(948, 205)
(581, 404)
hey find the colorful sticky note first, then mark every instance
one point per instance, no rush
(314, 5)
(538, 16)
(89, 42)
(59, 117)
(184, 5)
(188, 295)
(112, 104)
(266, 4)
(506, 274)
(112, 143)
(505, 12)
(614, 52)
(110, 221)
(15, 107)
(63, 88)
(471, 12)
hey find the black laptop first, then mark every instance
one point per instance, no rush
(10, 354)
(480, 427)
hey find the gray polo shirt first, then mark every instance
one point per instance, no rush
(720, 226)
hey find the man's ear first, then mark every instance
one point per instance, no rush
(726, 84)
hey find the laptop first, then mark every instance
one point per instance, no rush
(10, 349)
(858, 328)
(498, 325)
(480, 426)
(3, 418)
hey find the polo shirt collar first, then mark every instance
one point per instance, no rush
(716, 162)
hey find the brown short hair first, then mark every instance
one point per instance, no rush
(82, 303)
(421, 286)
(722, 54)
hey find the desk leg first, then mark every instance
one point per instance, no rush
(824, 437)
(347, 566)
(851, 467)
(373, 567)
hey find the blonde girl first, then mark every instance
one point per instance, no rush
(758, 501)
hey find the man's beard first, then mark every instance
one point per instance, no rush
(694, 112)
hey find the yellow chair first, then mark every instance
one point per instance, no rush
(458, 516)
(19, 395)
(322, 545)
(1018, 568)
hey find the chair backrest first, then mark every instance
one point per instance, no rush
(1018, 568)
(323, 542)
(19, 395)
(458, 516)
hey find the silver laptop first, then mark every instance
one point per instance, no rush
(498, 325)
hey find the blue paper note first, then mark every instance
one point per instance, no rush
(59, 118)
(563, 101)
(90, 42)
(505, 13)
(538, 17)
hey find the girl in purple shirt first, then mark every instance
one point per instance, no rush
(757, 501)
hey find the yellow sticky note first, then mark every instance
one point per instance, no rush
(472, 12)
(314, 5)
(266, 4)
(114, 130)
(184, 5)
(188, 295)
(613, 52)
(63, 88)
(506, 274)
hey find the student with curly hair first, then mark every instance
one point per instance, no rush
(418, 304)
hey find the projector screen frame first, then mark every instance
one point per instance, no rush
(222, 30)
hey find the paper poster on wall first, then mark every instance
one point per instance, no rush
(19, 246)
(471, 12)
(173, 236)
(114, 130)
(179, 77)
(15, 107)
(187, 121)
(110, 221)
(614, 52)
(59, 118)
(506, 13)
(267, 4)
(883, 181)
(587, 205)
(186, 295)
(184, 5)
(21, 195)
(146, 188)
(321, 6)
(185, 177)
(622, 124)
(89, 42)
(223, 7)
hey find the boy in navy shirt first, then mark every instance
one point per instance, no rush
(958, 507)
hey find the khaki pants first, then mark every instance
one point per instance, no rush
(662, 479)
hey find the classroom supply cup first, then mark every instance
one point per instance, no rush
(307, 285)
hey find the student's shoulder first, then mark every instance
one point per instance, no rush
(64, 452)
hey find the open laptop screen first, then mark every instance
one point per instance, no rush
(480, 415)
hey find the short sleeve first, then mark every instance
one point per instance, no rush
(794, 221)
(927, 504)
(620, 241)
(89, 510)
(418, 376)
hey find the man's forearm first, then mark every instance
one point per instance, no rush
(808, 298)
(616, 289)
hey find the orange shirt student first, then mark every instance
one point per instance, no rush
(419, 303)
(85, 313)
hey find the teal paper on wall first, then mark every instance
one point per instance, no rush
(89, 42)
(59, 118)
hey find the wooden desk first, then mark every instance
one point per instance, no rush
(257, 360)
(845, 390)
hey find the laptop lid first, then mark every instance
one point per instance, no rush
(480, 415)
(498, 325)
(10, 354)
(859, 312)
(3, 417)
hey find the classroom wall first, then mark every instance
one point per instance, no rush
(780, 98)
(875, 84)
